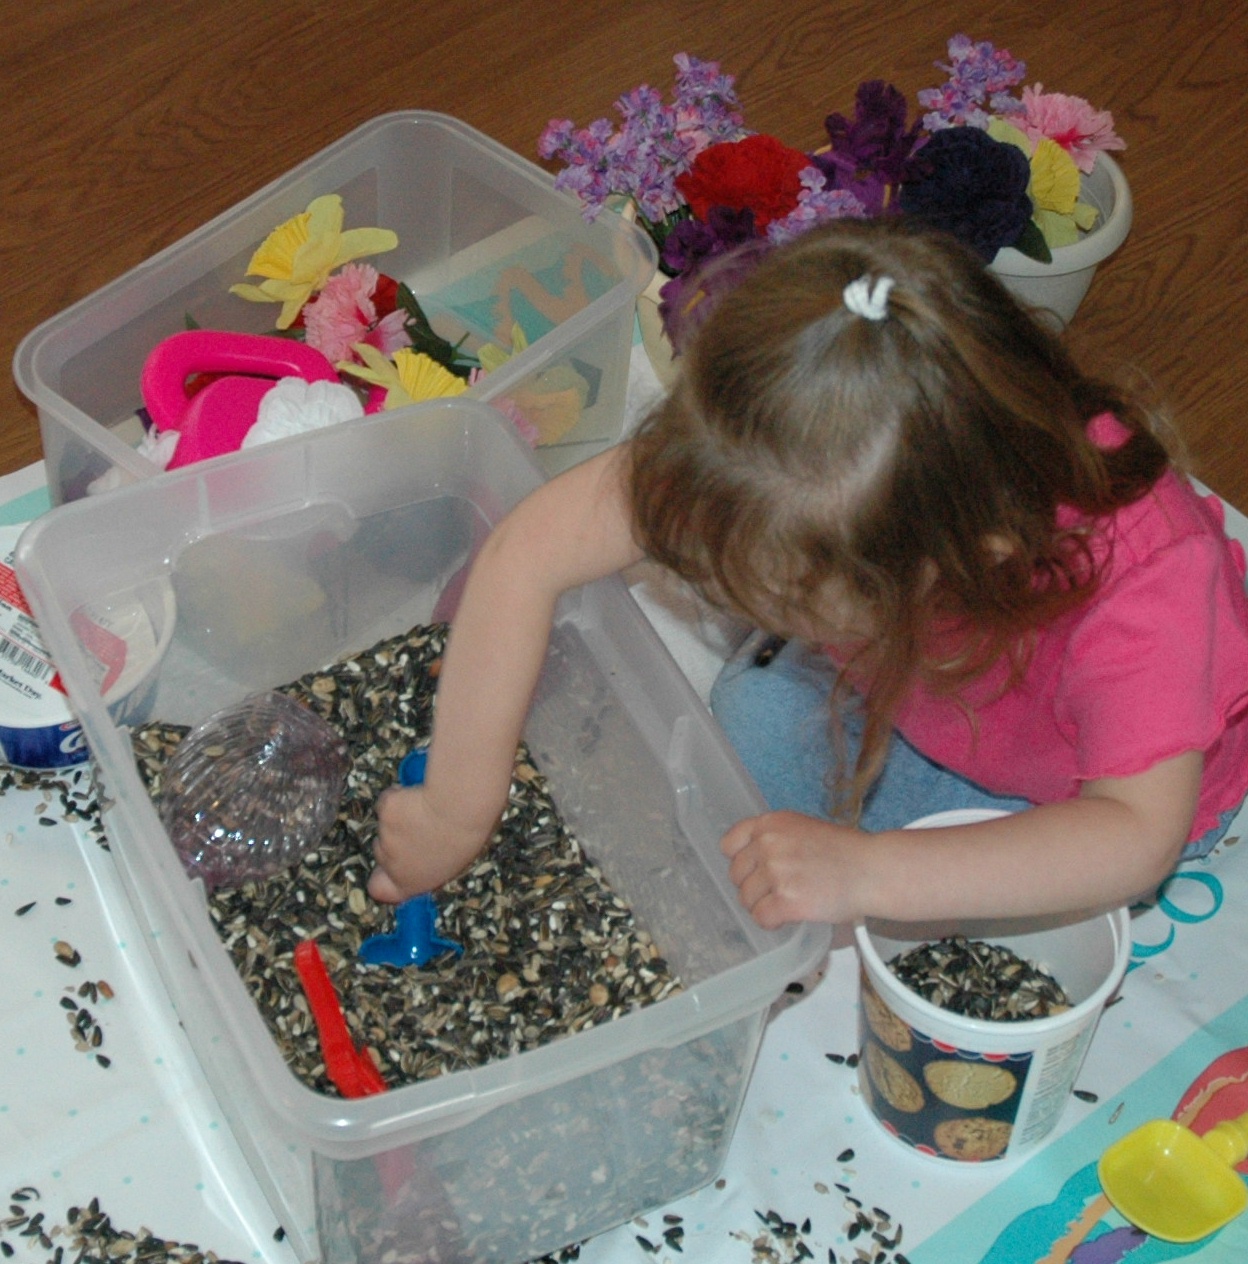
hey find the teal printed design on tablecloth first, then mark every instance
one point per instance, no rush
(1171, 901)
(1009, 1225)
(25, 508)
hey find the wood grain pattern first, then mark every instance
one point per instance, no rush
(130, 124)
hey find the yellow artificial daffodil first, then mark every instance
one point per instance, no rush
(409, 378)
(1054, 192)
(298, 256)
(492, 357)
(1053, 188)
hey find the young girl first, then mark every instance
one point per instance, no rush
(993, 589)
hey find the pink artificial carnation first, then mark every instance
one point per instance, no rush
(1071, 122)
(344, 313)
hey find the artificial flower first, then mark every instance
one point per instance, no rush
(295, 406)
(298, 256)
(654, 143)
(992, 167)
(693, 241)
(346, 312)
(1054, 178)
(516, 415)
(1080, 129)
(690, 297)
(553, 401)
(869, 154)
(409, 377)
(968, 184)
(494, 357)
(981, 82)
(758, 174)
(817, 203)
(1053, 187)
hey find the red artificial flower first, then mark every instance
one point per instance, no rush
(757, 174)
(385, 295)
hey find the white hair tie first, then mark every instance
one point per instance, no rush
(867, 300)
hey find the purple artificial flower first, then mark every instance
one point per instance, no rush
(979, 75)
(966, 183)
(692, 241)
(688, 299)
(653, 144)
(817, 203)
(868, 154)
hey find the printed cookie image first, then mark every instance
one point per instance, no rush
(889, 1029)
(895, 1084)
(972, 1139)
(865, 1089)
(970, 1085)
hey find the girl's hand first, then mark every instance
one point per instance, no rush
(788, 867)
(417, 848)
(1111, 845)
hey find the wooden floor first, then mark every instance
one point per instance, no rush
(128, 124)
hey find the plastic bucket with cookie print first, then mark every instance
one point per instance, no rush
(967, 1089)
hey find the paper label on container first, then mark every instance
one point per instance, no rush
(30, 689)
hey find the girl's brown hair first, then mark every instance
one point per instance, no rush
(915, 464)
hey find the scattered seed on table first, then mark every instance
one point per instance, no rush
(1085, 1096)
(845, 1155)
(838, 1058)
(21, 912)
(62, 900)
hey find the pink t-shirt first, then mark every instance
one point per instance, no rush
(1154, 665)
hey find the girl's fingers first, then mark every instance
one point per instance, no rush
(735, 839)
(383, 889)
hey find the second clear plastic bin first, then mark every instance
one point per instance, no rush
(485, 242)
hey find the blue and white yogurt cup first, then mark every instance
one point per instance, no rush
(38, 728)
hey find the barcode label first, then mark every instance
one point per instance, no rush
(34, 666)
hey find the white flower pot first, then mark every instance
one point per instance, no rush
(1058, 287)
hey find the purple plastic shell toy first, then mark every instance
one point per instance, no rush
(252, 789)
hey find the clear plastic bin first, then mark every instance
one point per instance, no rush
(484, 239)
(527, 1153)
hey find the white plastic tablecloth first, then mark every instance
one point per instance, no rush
(809, 1175)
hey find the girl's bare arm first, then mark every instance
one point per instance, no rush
(1114, 843)
(573, 529)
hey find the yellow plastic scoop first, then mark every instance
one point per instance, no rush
(1174, 1184)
